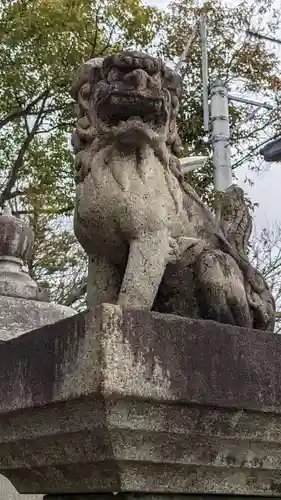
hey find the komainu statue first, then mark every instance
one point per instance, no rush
(151, 241)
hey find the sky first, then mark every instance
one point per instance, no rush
(156, 3)
(266, 190)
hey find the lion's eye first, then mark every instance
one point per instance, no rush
(115, 74)
(154, 81)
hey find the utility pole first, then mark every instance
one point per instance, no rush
(220, 134)
(205, 78)
(220, 139)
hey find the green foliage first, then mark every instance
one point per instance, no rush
(43, 42)
(232, 55)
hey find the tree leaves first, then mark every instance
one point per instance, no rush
(43, 42)
(234, 57)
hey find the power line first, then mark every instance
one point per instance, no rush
(263, 37)
(248, 155)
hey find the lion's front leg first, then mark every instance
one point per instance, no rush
(104, 281)
(146, 264)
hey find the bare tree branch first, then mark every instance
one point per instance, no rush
(63, 211)
(69, 125)
(21, 112)
(94, 43)
(266, 256)
(5, 195)
(109, 43)
(270, 122)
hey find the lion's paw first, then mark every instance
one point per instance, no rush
(178, 246)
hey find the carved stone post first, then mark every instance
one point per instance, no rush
(143, 405)
(24, 306)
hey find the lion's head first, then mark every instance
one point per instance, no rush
(130, 98)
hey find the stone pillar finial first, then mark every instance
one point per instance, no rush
(16, 242)
(16, 237)
(24, 304)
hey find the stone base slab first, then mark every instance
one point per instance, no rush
(143, 496)
(132, 401)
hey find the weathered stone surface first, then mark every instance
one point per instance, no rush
(16, 237)
(135, 401)
(23, 305)
(150, 239)
(144, 496)
(22, 315)
(8, 492)
(16, 242)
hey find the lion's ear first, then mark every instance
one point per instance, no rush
(87, 73)
(95, 75)
(172, 81)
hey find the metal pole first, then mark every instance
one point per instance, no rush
(204, 52)
(220, 137)
(246, 100)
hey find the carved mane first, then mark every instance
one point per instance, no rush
(87, 139)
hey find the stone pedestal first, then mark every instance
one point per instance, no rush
(143, 496)
(131, 401)
(24, 305)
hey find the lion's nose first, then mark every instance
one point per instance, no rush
(138, 78)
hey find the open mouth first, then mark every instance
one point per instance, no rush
(121, 106)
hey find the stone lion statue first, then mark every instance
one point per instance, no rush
(150, 240)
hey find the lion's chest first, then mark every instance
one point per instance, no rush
(122, 198)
